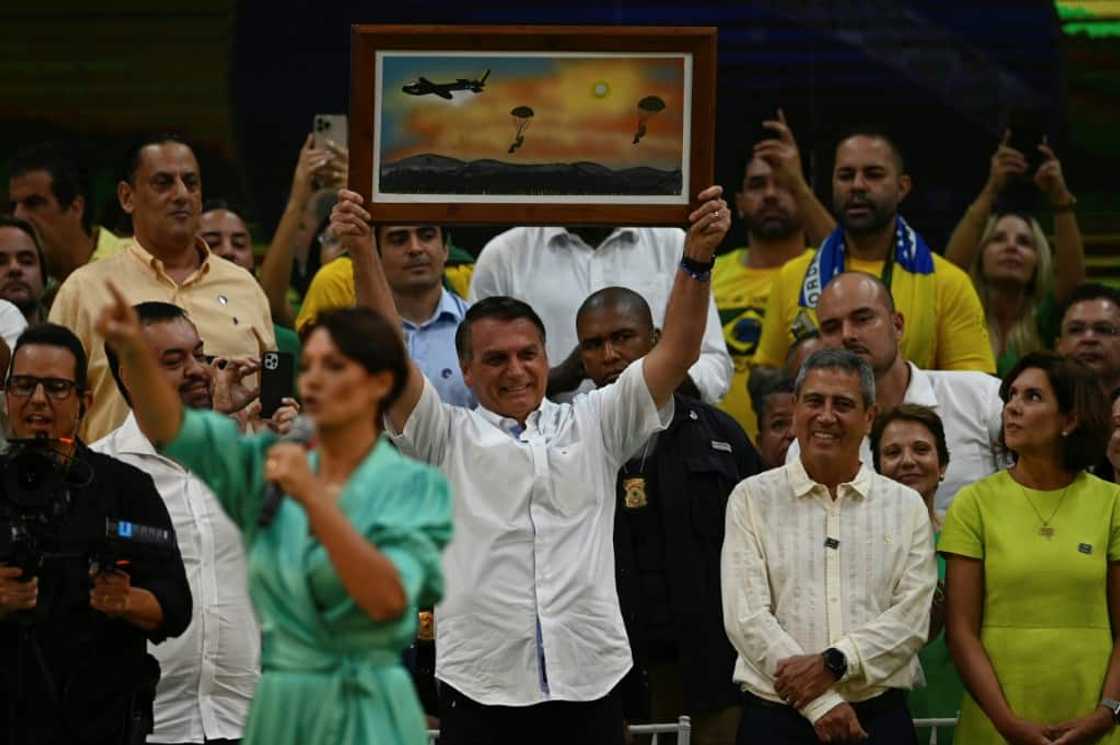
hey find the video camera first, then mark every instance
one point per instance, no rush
(35, 499)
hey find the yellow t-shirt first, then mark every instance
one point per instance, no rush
(961, 336)
(108, 244)
(333, 287)
(741, 294)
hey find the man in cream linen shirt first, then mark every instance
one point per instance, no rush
(207, 675)
(530, 641)
(161, 189)
(856, 312)
(828, 573)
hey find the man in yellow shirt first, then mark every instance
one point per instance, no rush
(168, 262)
(945, 328)
(741, 279)
(49, 189)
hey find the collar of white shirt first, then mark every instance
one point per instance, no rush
(129, 439)
(920, 389)
(564, 237)
(509, 425)
(803, 484)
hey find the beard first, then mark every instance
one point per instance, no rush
(772, 227)
(878, 216)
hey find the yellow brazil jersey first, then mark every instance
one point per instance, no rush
(959, 331)
(740, 293)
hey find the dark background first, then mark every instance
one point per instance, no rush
(243, 80)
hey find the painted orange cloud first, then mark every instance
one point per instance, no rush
(587, 110)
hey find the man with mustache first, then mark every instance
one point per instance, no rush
(166, 261)
(668, 529)
(209, 674)
(857, 313)
(1090, 332)
(413, 258)
(22, 268)
(945, 326)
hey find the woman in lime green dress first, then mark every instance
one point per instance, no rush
(339, 572)
(1033, 558)
(908, 445)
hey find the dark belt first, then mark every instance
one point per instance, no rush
(892, 698)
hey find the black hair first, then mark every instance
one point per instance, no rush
(131, 161)
(498, 307)
(366, 337)
(617, 297)
(875, 132)
(1088, 291)
(54, 335)
(7, 221)
(1078, 393)
(149, 313)
(763, 383)
(69, 177)
(218, 203)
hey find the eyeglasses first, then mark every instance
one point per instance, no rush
(1101, 328)
(24, 386)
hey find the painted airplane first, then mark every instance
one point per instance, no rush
(424, 87)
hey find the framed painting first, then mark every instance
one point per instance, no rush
(532, 125)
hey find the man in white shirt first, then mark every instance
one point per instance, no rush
(828, 573)
(530, 641)
(856, 312)
(554, 269)
(209, 674)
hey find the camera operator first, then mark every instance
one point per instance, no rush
(73, 631)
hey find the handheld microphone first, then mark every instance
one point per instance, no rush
(301, 433)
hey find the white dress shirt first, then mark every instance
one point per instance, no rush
(533, 552)
(787, 593)
(555, 271)
(208, 675)
(12, 323)
(971, 413)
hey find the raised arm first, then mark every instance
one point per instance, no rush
(157, 407)
(784, 158)
(276, 269)
(1069, 251)
(1007, 163)
(686, 316)
(351, 223)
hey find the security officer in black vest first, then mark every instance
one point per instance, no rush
(668, 535)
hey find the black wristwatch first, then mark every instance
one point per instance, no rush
(835, 662)
(1114, 706)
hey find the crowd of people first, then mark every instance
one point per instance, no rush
(808, 491)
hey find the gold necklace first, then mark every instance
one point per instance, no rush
(1045, 530)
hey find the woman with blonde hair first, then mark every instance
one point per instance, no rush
(1020, 281)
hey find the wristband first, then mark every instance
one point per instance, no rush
(701, 271)
(1064, 207)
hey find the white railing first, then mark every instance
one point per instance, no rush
(682, 728)
(934, 725)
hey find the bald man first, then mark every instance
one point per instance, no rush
(668, 530)
(856, 312)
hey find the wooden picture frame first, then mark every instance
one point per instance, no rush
(532, 125)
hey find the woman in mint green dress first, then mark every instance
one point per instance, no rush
(338, 574)
(1033, 558)
(908, 445)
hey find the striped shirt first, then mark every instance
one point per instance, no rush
(802, 572)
